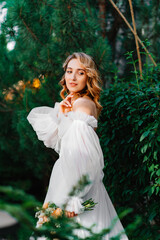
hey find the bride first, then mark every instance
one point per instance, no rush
(69, 128)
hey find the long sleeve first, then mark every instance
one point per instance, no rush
(81, 154)
(44, 121)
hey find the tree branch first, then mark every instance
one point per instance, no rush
(102, 16)
(121, 14)
(136, 39)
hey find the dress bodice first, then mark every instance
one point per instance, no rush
(66, 120)
(50, 125)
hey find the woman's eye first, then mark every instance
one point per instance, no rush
(69, 71)
(81, 73)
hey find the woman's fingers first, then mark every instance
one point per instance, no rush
(71, 214)
(68, 98)
(66, 103)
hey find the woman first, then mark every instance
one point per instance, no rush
(69, 128)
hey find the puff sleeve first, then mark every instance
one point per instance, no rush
(44, 121)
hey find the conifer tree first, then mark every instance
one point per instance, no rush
(45, 33)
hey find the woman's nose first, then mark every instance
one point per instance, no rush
(73, 76)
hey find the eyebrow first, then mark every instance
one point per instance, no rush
(78, 68)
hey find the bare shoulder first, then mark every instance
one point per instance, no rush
(85, 105)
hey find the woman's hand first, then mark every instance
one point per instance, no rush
(66, 105)
(70, 214)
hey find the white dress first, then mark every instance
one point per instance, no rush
(72, 135)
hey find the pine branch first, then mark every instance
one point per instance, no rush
(45, 3)
(29, 30)
(136, 39)
(125, 20)
(32, 67)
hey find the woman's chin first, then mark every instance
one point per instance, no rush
(73, 91)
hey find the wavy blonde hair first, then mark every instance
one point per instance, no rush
(92, 88)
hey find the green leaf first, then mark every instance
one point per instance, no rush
(158, 181)
(157, 190)
(155, 155)
(152, 174)
(152, 189)
(140, 123)
(151, 168)
(118, 99)
(144, 148)
(145, 158)
(144, 135)
(158, 172)
(128, 117)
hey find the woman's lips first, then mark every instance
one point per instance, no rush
(73, 84)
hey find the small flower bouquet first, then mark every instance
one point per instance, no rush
(52, 210)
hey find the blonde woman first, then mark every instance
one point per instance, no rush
(69, 128)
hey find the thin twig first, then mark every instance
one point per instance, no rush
(3, 105)
(6, 110)
(45, 3)
(136, 40)
(121, 14)
(32, 67)
(32, 33)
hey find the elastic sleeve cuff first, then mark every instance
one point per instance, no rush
(74, 204)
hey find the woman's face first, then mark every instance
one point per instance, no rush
(75, 76)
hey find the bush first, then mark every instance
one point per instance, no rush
(129, 130)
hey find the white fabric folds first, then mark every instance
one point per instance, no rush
(72, 135)
(75, 205)
(81, 153)
(44, 121)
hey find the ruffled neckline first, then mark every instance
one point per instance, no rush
(79, 115)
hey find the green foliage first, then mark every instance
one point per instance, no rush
(22, 206)
(45, 33)
(129, 131)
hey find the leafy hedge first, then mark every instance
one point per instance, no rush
(129, 130)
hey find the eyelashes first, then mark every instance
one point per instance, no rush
(80, 73)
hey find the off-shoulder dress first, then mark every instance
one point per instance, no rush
(73, 137)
